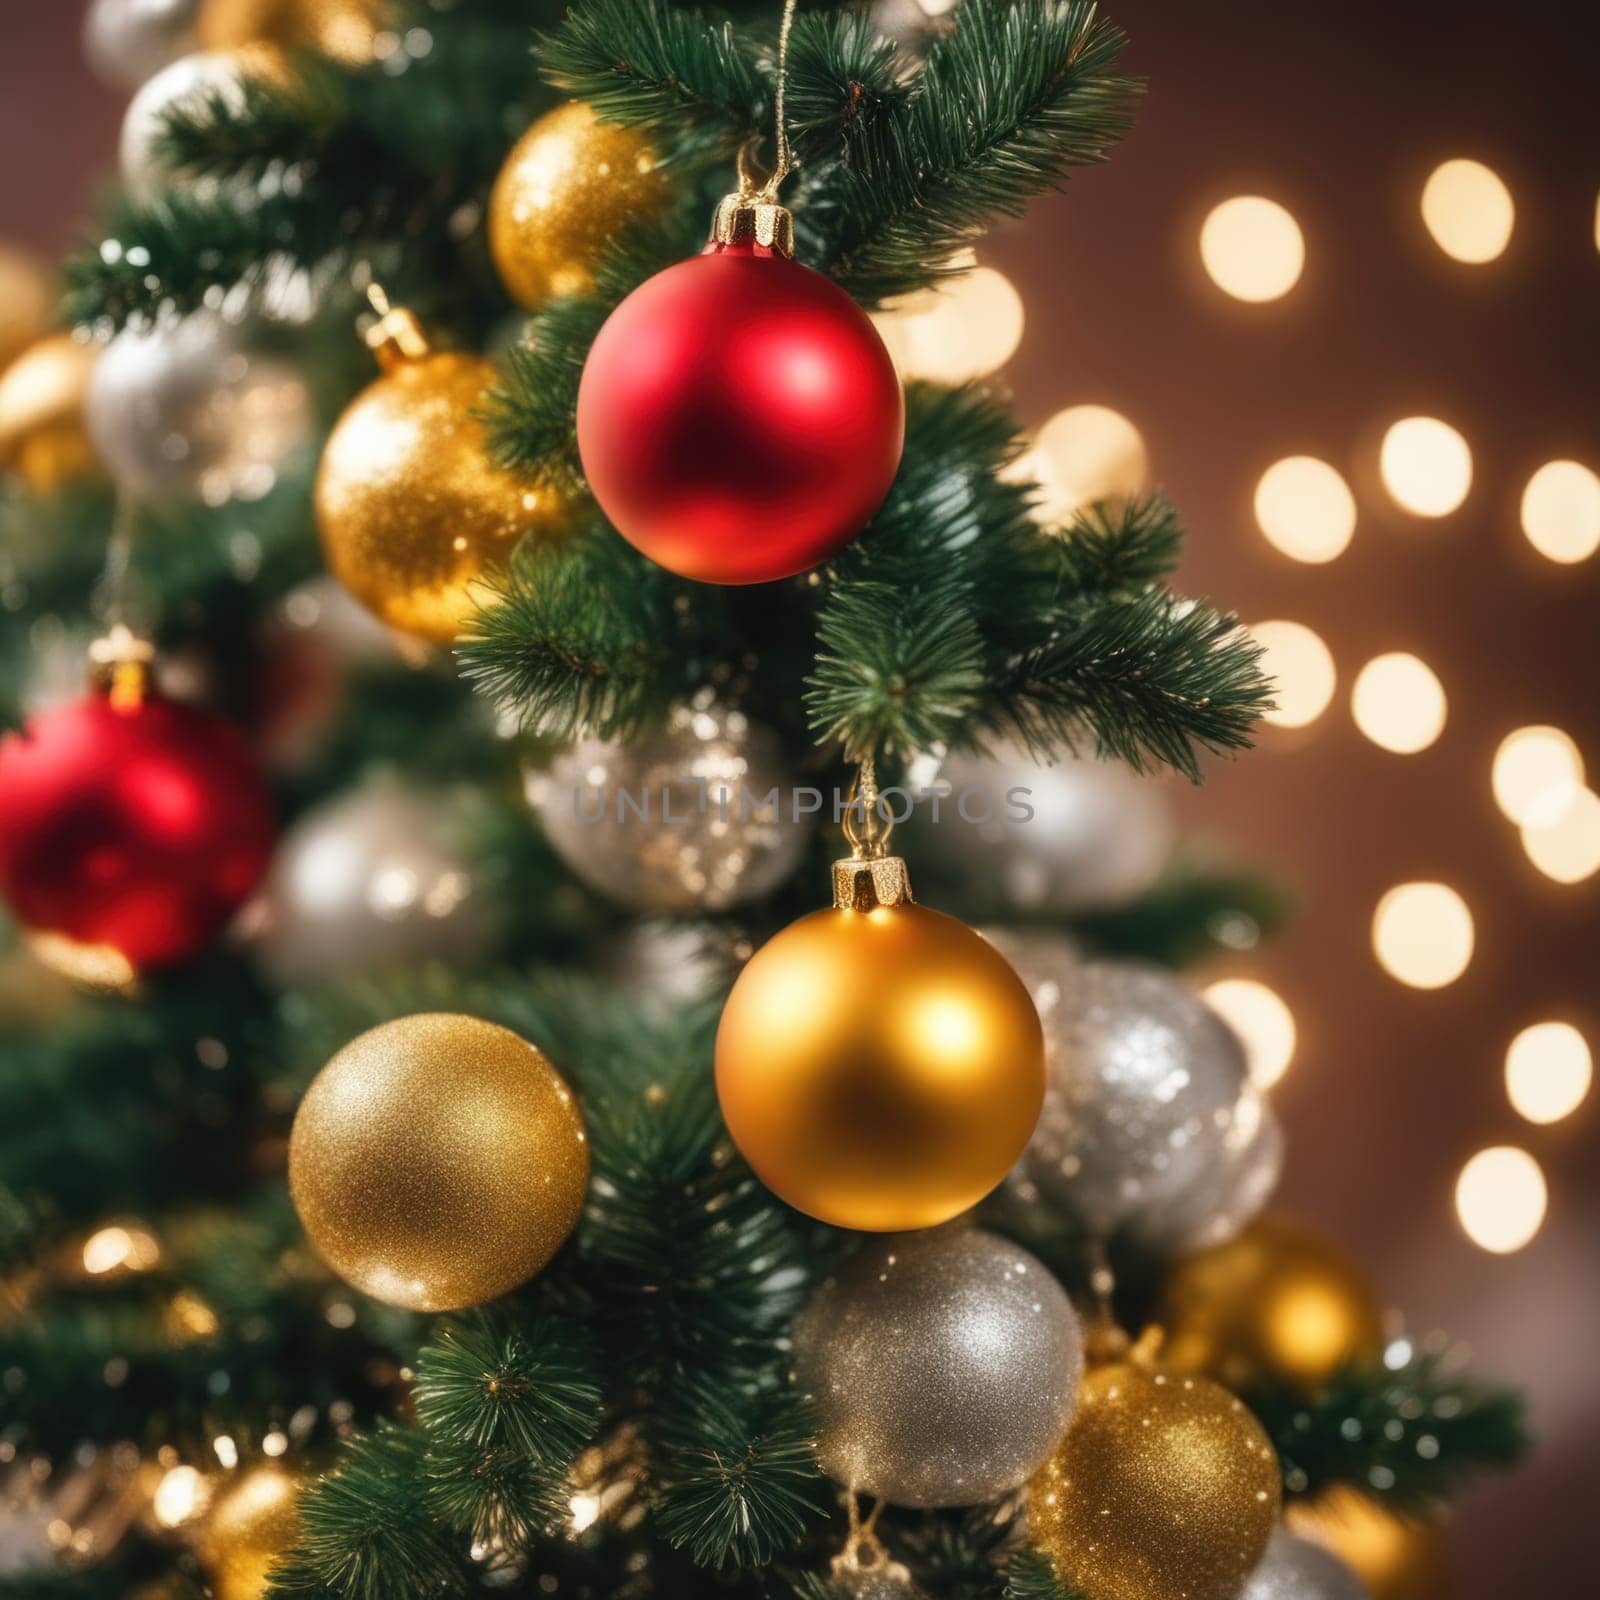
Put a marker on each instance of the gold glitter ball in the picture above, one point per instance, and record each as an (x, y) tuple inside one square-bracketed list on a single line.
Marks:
[(438, 1161), (1277, 1304), (412, 509), (253, 1521), (343, 29), (1164, 1487), (566, 189), (43, 436)]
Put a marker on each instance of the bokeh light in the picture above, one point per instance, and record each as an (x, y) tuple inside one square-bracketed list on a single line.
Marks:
[(1264, 1024), (1561, 511), (1426, 466), (1252, 248), (1501, 1198), (1398, 703), (1305, 509), (1468, 210), (1301, 667), (1536, 773), (1422, 934), (1548, 1071), (1566, 845), (1084, 454), (964, 329), (180, 1495)]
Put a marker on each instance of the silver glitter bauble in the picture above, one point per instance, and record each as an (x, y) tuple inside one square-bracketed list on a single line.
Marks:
[(189, 82), (1099, 834), (177, 408), (1150, 1121), (943, 1365), (888, 1580), (1297, 1569), (127, 41), (373, 879), (698, 817)]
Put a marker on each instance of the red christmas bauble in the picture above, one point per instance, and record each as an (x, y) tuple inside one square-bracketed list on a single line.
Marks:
[(739, 418), (137, 827)]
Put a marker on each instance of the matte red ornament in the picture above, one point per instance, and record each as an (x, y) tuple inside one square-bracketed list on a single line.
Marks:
[(739, 418), (130, 824)]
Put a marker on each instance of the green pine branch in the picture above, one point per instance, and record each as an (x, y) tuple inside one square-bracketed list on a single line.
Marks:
[(1031, 1576), (1120, 546)]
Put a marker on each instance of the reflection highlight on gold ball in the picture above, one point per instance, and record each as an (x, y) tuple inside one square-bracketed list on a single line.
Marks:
[(253, 1520), (1468, 210), (1252, 248), (346, 30), (1279, 1304), (882, 1069)]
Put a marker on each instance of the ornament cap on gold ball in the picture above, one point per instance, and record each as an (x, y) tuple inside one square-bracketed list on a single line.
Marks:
[(396, 336), (869, 877)]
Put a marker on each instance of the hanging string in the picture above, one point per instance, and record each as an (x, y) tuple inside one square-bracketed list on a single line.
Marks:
[(113, 592), (780, 169), (865, 825)]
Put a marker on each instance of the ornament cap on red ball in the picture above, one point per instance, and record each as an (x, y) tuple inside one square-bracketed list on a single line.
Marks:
[(739, 418), (131, 827)]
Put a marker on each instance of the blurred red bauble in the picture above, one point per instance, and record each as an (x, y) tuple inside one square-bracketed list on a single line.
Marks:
[(131, 827), (739, 418)]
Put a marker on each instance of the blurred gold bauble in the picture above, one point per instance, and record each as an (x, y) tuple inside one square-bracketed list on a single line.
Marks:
[(411, 507), (880, 1069), (252, 1522), (1164, 1487), (1395, 1558), (42, 432), (438, 1161), (1276, 1305), (342, 29), (27, 302), (566, 189)]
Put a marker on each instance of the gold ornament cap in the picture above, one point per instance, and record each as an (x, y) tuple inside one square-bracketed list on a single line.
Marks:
[(121, 666), (751, 221), (867, 883), (396, 336)]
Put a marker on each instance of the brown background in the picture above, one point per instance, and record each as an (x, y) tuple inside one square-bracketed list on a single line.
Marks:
[(1339, 113)]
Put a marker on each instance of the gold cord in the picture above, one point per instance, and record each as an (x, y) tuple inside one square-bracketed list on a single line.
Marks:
[(780, 169)]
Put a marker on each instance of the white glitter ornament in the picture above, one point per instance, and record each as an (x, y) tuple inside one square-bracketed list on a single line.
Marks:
[(1150, 1121), (943, 1365), (373, 879), (1099, 835), (698, 817), (189, 82), (127, 41), (178, 407), (1297, 1569)]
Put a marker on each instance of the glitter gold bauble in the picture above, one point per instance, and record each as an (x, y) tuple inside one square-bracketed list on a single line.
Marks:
[(411, 508), (880, 1066), (27, 301), (1164, 1487), (1279, 1304), (566, 189), (43, 435), (438, 1161), (252, 1522), (343, 29), (1395, 1558)]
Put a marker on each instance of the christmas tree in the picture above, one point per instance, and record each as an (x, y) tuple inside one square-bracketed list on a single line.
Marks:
[(485, 1145)]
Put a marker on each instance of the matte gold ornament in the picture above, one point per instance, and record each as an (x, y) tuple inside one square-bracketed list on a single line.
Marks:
[(1164, 1487), (411, 508), (438, 1161), (43, 433), (252, 1522), (1278, 1304), (342, 29), (27, 302), (879, 1065), (567, 187)]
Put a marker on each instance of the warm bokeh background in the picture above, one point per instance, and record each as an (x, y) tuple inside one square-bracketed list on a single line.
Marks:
[(1339, 114)]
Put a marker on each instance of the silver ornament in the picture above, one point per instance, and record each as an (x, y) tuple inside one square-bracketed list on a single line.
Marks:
[(944, 1366), (178, 407), (665, 965), (1150, 1121), (372, 879), (127, 41), (1099, 834), (698, 817), (189, 82), (1299, 1569)]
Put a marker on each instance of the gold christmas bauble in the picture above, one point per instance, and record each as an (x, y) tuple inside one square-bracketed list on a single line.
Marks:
[(1164, 1487), (412, 509), (880, 1069), (438, 1161), (27, 300), (1395, 1558), (342, 29), (252, 1522), (566, 189), (1277, 1304), (43, 437)]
